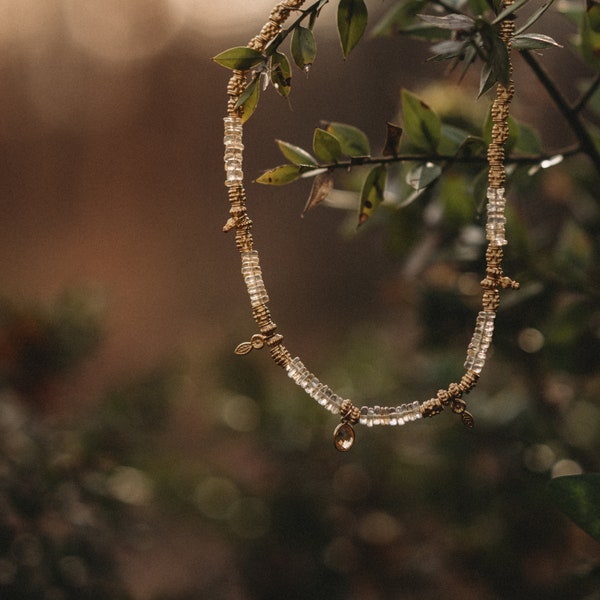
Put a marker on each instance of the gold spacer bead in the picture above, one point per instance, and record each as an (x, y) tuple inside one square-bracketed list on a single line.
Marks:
[(262, 315), (491, 299), (443, 396), (280, 354), (269, 330), (454, 391), (469, 381), (431, 407), (243, 240), (349, 412), (274, 339)]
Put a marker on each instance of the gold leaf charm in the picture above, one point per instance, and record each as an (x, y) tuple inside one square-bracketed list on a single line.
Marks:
[(256, 342), (343, 437), (243, 348), (467, 419)]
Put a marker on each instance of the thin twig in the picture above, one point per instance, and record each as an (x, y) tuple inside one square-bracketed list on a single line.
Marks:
[(529, 159), (571, 115), (279, 39), (585, 97)]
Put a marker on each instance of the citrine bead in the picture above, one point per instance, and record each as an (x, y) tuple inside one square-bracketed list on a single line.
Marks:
[(343, 437)]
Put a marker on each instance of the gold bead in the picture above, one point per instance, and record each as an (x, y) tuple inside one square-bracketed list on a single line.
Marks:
[(454, 391), (431, 407), (443, 396)]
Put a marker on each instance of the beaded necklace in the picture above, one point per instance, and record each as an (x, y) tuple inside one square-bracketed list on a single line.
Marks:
[(269, 337)]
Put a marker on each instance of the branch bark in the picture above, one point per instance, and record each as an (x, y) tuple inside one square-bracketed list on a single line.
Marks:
[(571, 114)]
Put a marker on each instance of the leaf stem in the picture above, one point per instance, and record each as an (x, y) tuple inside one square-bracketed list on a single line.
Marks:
[(570, 114)]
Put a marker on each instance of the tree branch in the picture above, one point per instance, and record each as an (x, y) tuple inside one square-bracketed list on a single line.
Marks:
[(581, 103), (571, 115), (279, 39), (529, 159)]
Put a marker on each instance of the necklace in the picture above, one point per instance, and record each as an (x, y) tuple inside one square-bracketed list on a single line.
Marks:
[(268, 337)]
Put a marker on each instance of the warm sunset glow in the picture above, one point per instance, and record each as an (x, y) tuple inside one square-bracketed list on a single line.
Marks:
[(227, 17), (114, 30)]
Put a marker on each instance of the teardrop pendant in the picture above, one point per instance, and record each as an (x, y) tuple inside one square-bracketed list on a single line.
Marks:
[(343, 437)]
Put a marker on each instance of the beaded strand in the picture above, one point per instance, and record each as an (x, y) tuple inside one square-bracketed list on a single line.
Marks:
[(370, 416)]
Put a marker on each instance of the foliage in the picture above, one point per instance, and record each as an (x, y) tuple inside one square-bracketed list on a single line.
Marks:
[(448, 508), (579, 497), (38, 344), (425, 512), (467, 34), (426, 191), (70, 489)]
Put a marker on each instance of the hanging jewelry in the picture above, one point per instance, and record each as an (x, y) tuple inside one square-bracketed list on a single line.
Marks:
[(451, 397)]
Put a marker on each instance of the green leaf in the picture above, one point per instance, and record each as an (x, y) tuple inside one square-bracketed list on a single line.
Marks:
[(529, 141), (426, 33), (468, 59), (240, 58), (281, 175), (371, 195), (423, 175), (303, 47), (353, 141), (296, 155), (326, 146), (593, 12), (534, 17), (472, 147), (453, 22), (316, 11), (478, 7), (486, 80), (399, 17), (281, 73), (478, 188), (448, 49), (578, 496), (457, 202), (421, 124), (452, 138), (509, 10), (589, 41), (249, 98), (497, 57), (352, 19), (496, 5), (533, 41)]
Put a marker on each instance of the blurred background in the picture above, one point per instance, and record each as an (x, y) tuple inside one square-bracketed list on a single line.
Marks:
[(141, 459)]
